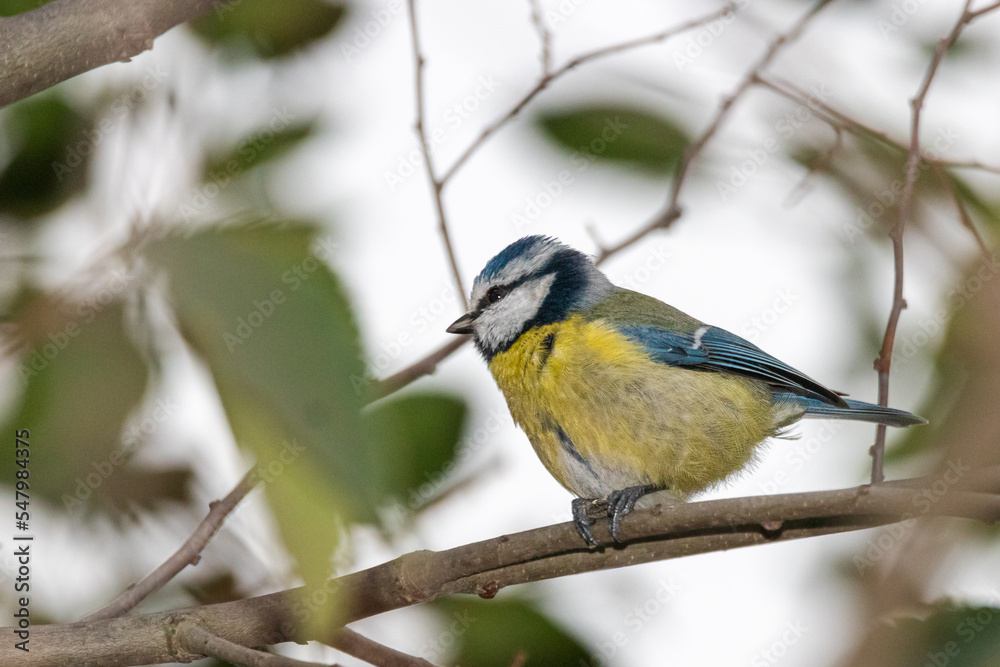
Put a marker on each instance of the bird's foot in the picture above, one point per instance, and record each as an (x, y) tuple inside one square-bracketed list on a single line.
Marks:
[(622, 501), (582, 520), (616, 505)]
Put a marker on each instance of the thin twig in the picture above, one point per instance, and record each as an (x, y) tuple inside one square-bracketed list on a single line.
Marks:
[(544, 81), (350, 642), (884, 361), (417, 370), (188, 554), (963, 214), (428, 364), (970, 164), (822, 163), (672, 210), (436, 184), (544, 36), (196, 639)]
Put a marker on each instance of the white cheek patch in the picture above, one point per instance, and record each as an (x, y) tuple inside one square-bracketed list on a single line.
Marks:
[(503, 321)]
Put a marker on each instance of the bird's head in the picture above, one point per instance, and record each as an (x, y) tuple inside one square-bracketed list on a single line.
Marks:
[(532, 282)]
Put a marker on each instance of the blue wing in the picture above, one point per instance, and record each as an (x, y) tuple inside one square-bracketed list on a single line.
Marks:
[(717, 350)]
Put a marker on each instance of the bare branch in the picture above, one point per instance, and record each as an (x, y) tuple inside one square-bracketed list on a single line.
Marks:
[(486, 567), (672, 209), (417, 370), (544, 36), (362, 648), (200, 641), (188, 554), (428, 364), (436, 183), (884, 361), (544, 81), (59, 40), (970, 164)]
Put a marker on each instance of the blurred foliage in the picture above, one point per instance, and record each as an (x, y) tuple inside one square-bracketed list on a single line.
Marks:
[(50, 156), (269, 30), (273, 325), (214, 590), (967, 369), (945, 634), (13, 7), (872, 175), (617, 135), (275, 329), (81, 376), (258, 148), (413, 439), (501, 633)]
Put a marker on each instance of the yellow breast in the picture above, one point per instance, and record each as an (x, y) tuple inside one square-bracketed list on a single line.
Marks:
[(602, 415)]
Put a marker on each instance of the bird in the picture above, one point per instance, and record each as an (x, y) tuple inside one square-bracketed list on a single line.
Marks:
[(622, 395)]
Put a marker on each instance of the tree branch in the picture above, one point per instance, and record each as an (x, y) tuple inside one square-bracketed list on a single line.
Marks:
[(57, 41), (188, 554), (196, 639), (544, 81), (485, 567), (437, 184), (350, 642), (672, 210), (884, 361)]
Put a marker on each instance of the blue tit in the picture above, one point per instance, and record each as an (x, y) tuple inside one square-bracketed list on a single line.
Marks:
[(622, 395)]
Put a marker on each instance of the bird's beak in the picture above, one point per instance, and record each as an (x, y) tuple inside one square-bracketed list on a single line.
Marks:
[(462, 325)]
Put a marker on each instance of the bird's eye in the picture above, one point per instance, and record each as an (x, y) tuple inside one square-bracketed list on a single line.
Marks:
[(496, 293)]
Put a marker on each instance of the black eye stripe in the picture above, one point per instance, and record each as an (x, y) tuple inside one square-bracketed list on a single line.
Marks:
[(485, 302)]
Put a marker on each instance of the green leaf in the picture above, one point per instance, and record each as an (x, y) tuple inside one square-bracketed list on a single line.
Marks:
[(50, 157), (270, 29), (617, 134), (14, 7), (495, 633), (956, 636), (82, 376), (415, 439), (274, 327), (259, 147)]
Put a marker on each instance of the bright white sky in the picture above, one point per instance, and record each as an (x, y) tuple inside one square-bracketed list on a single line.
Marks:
[(727, 262)]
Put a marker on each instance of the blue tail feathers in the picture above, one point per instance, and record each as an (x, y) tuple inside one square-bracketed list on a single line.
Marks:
[(855, 411)]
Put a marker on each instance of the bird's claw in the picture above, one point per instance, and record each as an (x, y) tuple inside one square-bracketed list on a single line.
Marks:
[(617, 504), (582, 521)]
